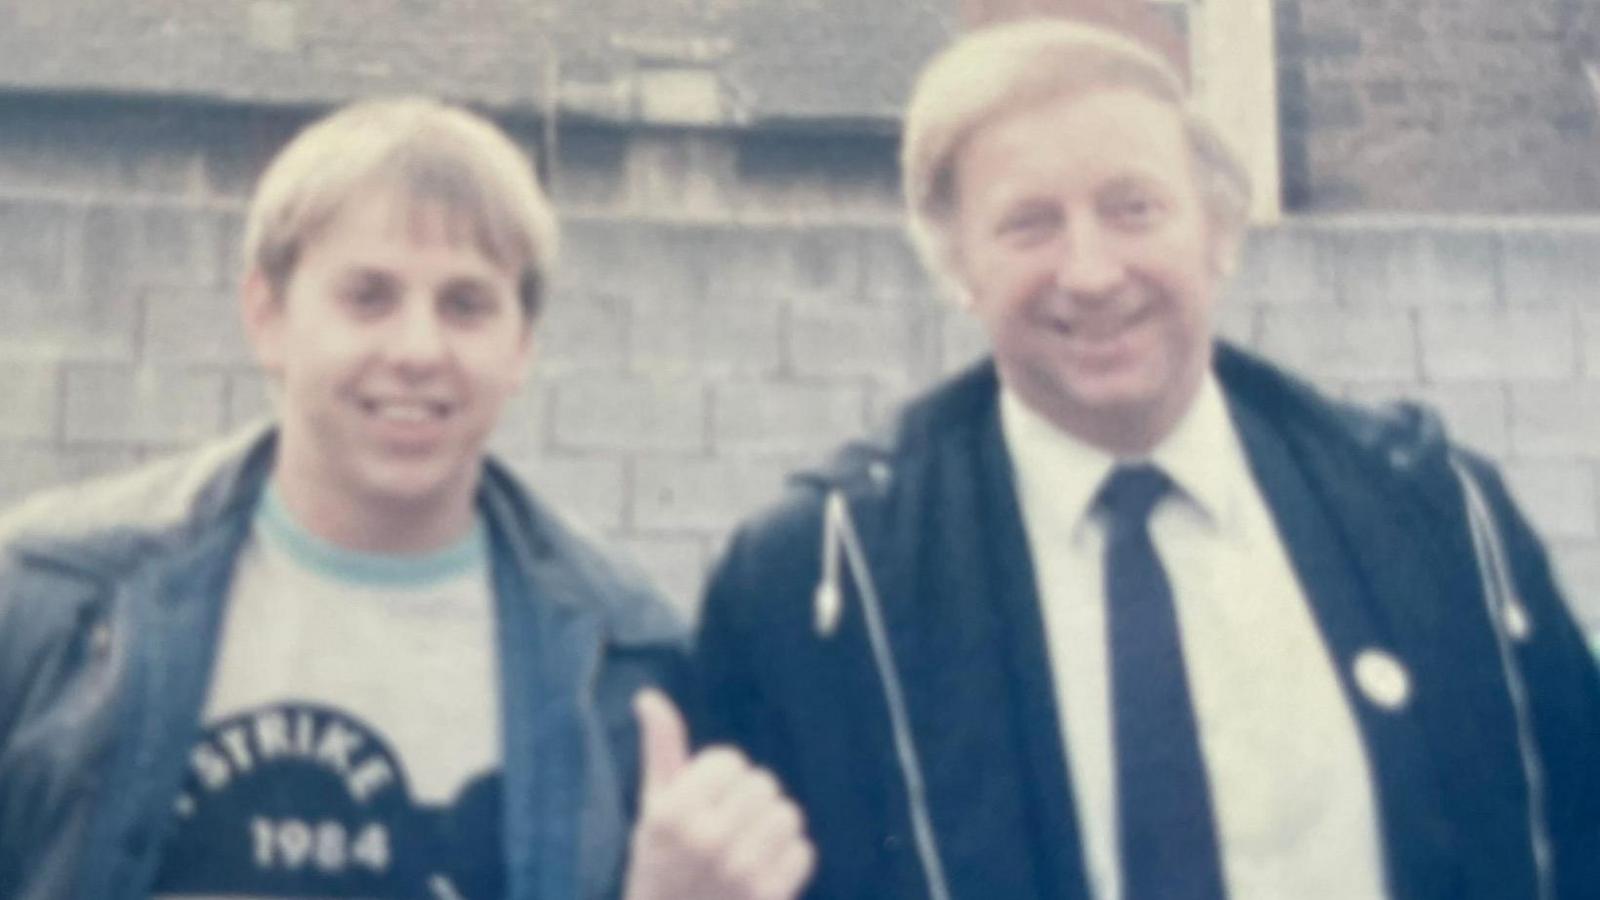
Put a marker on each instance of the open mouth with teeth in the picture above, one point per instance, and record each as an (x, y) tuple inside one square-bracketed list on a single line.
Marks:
[(1103, 328), (406, 411)]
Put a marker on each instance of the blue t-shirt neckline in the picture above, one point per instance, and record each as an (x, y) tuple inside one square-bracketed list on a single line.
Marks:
[(276, 523)]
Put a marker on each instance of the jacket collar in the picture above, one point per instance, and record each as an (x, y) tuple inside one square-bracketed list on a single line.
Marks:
[(1403, 437), (103, 529)]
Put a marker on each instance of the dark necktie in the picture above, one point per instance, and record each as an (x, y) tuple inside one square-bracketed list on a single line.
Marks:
[(1165, 827)]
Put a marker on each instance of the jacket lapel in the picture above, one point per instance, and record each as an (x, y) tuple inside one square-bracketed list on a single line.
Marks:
[(1361, 634), (549, 652), (960, 609)]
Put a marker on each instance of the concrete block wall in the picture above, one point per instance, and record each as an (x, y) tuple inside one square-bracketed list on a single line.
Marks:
[(692, 356)]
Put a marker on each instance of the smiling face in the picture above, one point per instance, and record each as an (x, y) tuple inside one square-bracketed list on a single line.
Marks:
[(395, 342), (1084, 248)]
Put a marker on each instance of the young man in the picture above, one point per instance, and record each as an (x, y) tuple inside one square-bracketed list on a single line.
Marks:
[(346, 656), (1126, 613)]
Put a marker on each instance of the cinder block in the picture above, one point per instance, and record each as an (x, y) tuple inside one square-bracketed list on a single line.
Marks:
[(1557, 420), (524, 425), (1343, 344), (1479, 345), (29, 393), (589, 490), (1589, 336), (962, 340), (1559, 498), (35, 236), (630, 414), (1475, 415), (142, 405), (1551, 267), (127, 247), (1286, 265), (250, 397), (675, 565), (886, 343), (891, 269), (1577, 570), (696, 494), (67, 328), (715, 338), (28, 467), (193, 326), (25, 469), (583, 332), (633, 259), (818, 263), (778, 419), (82, 462), (1405, 267), (1239, 323)]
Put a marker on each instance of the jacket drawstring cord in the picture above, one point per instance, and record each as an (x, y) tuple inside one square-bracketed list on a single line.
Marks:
[(1499, 595), (838, 530)]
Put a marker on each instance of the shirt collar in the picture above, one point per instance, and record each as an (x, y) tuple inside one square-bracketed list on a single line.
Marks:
[(1199, 455)]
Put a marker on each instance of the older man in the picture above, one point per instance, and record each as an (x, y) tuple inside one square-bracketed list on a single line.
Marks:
[(1125, 612)]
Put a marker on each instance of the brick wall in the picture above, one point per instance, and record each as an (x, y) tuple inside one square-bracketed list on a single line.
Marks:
[(1417, 105), (1439, 105), (729, 307)]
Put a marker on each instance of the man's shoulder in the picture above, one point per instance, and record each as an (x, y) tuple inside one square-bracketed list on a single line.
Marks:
[(865, 471), (1404, 437), (107, 521)]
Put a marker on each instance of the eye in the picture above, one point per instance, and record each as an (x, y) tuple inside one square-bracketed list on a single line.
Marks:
[(468, 302), (1133, 209), (367, 295), (1028, 224)]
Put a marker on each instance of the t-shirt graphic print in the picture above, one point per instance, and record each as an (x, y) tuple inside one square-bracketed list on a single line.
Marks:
[(300, 800), (350, 741)]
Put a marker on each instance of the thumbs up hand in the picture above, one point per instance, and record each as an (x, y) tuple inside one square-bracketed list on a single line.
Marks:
[(712, 826)]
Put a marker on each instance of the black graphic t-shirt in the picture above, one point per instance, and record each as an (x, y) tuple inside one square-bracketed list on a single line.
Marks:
[(350, 745)]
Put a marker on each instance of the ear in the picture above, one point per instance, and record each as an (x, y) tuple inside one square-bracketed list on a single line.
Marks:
[(263, 314), (1226, 243), (527, 351), (953, 271)]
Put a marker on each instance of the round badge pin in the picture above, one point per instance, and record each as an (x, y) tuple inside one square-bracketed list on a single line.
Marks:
[(1382, 679)]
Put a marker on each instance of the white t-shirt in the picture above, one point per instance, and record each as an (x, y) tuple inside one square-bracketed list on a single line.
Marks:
[(350, 741)]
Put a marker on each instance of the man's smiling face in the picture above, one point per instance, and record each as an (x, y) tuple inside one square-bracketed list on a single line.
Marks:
[(396, 342), (1086, 251)]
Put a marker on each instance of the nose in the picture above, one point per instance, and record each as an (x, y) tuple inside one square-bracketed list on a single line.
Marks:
[(417, 341), (1089, 263)]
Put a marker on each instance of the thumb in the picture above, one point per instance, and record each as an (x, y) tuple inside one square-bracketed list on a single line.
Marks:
[(663, 739)]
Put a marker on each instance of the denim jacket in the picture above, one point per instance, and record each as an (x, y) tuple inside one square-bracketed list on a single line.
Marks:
[(111, 597)]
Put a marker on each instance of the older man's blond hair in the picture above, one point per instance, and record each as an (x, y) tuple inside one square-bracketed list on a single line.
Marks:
[(1004, 68), (431, 155)]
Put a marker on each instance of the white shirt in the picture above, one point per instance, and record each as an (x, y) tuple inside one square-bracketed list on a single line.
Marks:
[(1290, 781)]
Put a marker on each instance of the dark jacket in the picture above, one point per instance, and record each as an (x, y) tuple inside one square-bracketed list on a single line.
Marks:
[(1372, 516), (110, 600)]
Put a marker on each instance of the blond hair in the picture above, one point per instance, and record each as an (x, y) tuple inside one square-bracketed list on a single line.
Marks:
[(431, 152), (1002, 68)]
